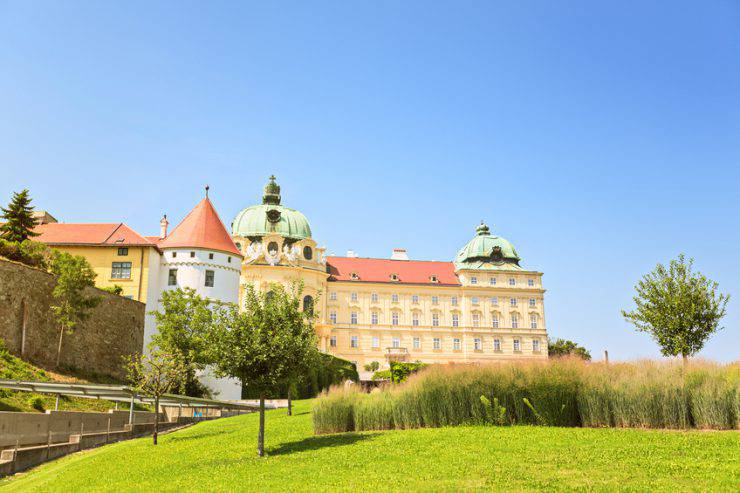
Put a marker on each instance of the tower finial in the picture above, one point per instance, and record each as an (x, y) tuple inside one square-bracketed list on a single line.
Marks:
[(272, 192), (207, 188), (482, 229)]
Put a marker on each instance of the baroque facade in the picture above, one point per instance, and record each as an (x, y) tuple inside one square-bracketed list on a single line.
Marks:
[(481, 307)]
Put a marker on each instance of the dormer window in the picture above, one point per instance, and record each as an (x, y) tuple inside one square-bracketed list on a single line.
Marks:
[(394, 277), (433, 278), (473, 280), (354, 276)]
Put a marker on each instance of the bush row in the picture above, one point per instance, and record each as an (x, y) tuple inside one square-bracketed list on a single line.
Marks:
[(564, 392)]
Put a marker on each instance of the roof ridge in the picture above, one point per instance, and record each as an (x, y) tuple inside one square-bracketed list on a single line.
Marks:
[(112, 233)]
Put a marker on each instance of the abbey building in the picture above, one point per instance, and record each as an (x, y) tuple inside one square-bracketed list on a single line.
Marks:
[(482, 306)]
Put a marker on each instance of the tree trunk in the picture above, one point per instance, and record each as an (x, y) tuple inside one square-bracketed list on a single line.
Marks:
[(59, 348), (290, 403), (156, 419), (685, 359), (261, 436)]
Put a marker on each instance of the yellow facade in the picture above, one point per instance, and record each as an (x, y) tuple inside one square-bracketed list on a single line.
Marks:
[(102, 259)]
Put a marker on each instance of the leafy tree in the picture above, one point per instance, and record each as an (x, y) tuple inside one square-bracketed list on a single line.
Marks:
[(115, 289), (19, 220), (679, 308), (29, 252), (71, 305), (373, 366), (564, 347), (266, 344), (154, 375), (182, 327)]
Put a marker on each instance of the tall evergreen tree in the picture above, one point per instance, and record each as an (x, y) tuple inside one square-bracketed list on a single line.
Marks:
[(19, 221)]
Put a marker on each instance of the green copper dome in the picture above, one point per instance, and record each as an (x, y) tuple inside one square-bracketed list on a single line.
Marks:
[(487, 251), (271, 218)]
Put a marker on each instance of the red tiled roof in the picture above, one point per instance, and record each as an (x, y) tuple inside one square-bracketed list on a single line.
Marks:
[(90, 234), (380, 270), (201, 228)]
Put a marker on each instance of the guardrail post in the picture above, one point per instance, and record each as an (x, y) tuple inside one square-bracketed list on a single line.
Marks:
[(56, 403), (131, 411), (107, 435)]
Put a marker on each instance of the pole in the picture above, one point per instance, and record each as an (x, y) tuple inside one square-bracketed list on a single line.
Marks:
[(131, 410), (56, 403), (606, 356), (107, 435)]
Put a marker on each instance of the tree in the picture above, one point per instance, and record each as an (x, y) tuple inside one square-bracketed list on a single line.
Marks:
[(265, 345), (182, 326), (372, 366), (19, 220), (71, 305), (679, 308), (564, 347), (154, 375), (115, 289)]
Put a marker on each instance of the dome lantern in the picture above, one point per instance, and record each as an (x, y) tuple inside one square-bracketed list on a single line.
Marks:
[(272, 192), (487, 252)]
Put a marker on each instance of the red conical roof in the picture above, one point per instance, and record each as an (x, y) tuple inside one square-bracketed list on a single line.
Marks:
[(201, 228)]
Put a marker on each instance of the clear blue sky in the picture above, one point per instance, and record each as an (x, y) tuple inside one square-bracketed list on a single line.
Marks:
[(599, 139)]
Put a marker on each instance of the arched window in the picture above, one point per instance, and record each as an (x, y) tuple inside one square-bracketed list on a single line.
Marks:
[(307, 252), (272, 248), (308, 304)]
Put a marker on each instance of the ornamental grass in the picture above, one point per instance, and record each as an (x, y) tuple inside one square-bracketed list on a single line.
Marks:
[(560, 392)]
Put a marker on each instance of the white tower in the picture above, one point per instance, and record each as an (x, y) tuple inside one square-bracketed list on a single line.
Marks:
[(199, 254)]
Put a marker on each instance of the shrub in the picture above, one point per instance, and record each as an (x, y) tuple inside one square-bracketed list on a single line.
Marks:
[(36, 402)]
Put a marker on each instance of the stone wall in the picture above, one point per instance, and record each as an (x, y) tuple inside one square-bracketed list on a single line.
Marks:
[(114, 330)]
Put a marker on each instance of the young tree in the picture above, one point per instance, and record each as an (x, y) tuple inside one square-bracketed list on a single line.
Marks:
[(679, 308), (563, 347), (372, 366), (19, 221), (182, 326), (155, 375), (71, 305), (266, 344)]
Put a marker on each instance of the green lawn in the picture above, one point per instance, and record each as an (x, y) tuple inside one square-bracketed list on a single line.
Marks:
[(220, 456)]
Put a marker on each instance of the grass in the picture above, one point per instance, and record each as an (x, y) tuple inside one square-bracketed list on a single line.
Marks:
[(644, 394), (14, 368), (220, 456)]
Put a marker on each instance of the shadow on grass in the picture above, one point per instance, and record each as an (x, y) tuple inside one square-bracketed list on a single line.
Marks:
[(196, 436), (318, 442)]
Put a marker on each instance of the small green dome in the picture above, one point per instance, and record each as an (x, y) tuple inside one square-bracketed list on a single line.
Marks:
[(271, 218), (487, 251)]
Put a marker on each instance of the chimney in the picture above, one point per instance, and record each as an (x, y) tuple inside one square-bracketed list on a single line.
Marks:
[(163, 227), (351, 254), (399, 254)]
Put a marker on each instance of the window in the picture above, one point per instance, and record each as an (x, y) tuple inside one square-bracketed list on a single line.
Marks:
[(394, 298), (353, 342), (374, 318), (517, 345), (476, 320), (497, 344), (494, 320), (353, 296), (238, 246), (455, 320), (415, 319), (415, 299), (494, 301), (435, 300), (353, 318), (122, 252), (354, 276), (493, 281), (394, 318), (210, 275), (272, 248), (453, 301), (473, 280), (535, 345), (228, 259), (394, 277), (512, 281), (333, 296), (307, 253), (308, 304), (396, 342), (475, 300), (210, 256), (533, 321), (172, 278), (333, 317), (530, 282), (192, 254), (376, 342), (129, 297), (435, 319), (476, 344), (433, 279), (456, 344), (512, 302), (417, 343), (174, 254), (437, 343), (532, 302), (514, 321), (374, 297), (121, 270), (333, 341)]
